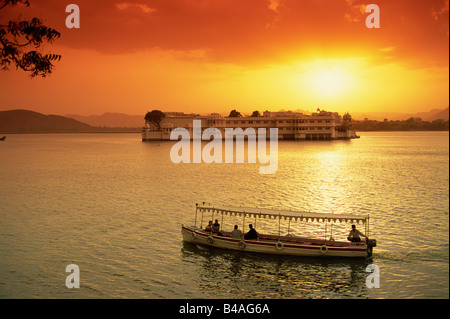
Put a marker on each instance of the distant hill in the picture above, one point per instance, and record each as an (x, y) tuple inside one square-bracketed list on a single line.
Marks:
[(24, 121), (111, 120), (439, 114), (380, 116)]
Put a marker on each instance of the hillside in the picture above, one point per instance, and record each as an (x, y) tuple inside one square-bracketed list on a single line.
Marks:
[(111, 120), (440, 114), (24, 121), (380, 116)]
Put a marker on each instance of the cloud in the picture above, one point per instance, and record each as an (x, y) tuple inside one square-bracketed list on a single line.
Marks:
[(274, 4), (143, 7), (389, 49), (256, 32)]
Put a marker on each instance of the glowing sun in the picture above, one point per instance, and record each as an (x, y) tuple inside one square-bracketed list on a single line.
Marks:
[(329, 82)]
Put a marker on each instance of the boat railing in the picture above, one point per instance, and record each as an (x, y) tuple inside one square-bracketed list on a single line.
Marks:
[(250, 213), (285, 239)]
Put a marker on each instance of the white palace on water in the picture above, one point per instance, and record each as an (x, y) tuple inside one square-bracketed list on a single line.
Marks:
[(321, 125)]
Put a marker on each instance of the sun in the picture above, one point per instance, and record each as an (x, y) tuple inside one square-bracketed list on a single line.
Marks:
[(329, 82)]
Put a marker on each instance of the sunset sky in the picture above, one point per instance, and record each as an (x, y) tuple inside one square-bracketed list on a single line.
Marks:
[(208, 56)]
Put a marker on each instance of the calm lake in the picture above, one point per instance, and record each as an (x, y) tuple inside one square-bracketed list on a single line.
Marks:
[(114, 205)]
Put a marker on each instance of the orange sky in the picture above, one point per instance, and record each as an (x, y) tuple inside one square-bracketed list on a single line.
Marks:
[(216, 55)]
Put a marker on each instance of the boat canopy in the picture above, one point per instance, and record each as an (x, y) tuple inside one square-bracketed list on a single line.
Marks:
[(283, 214)]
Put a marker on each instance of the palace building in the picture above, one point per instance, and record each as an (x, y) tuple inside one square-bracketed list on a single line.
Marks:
[(320, 125)]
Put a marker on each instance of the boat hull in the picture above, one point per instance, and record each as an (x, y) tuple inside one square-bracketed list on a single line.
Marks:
[(277, 245)]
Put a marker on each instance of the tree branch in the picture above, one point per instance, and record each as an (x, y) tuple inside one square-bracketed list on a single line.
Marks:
[(33, 33)]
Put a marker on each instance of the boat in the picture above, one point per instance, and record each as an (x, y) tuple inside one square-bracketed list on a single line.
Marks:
[(274, 244)]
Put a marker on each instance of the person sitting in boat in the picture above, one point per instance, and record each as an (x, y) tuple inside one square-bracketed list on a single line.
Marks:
[(209, 227), (252, 234), (236, 233), (354, 235), (216, 228)]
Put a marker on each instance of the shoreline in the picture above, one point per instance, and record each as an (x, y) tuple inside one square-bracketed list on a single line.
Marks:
[(139, 131), (71, 132)]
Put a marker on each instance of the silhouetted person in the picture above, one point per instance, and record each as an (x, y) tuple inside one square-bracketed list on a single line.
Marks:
[(354, 235), (209, 227), (216, 228), (252, 234), (236, 233)]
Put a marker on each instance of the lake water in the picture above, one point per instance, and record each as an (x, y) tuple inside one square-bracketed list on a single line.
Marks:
[(114, 206)]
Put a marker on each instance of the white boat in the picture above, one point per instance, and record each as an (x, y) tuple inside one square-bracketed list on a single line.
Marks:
[(279, 244)]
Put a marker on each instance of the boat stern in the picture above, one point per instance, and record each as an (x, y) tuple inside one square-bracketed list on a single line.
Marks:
[(371, 243)]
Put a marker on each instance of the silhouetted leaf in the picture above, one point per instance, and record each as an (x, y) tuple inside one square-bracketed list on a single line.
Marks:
[(19, 34)]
